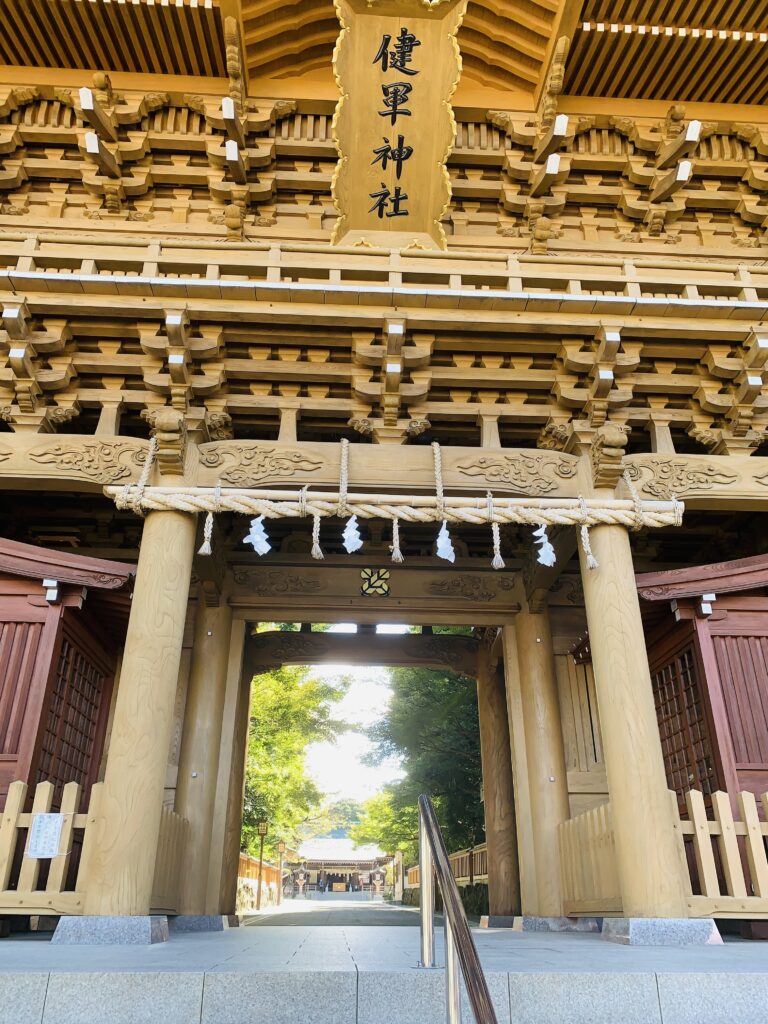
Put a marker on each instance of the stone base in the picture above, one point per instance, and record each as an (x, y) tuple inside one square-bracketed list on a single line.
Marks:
[(661, 931), (527, 923), (111, 931), (203, 922), (497, 921)]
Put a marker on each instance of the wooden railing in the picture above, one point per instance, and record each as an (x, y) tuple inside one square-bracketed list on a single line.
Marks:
[(464, 870), (190, 268), (725, 862), (590, 883), (20, 875), (57, 884), (174, 831)]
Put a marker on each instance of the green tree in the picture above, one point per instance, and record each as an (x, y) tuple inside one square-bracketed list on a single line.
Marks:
[(289, 709), (431, 724), (388, 825), (344, 815)]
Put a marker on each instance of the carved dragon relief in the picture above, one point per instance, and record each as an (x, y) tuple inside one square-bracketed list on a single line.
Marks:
[(526, 474), (105, 462), (664, 478), (247, 464)]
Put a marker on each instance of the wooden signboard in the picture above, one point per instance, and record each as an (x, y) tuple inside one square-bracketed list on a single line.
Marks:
[(397, 64)]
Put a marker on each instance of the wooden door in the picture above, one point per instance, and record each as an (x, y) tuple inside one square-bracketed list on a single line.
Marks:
[(28, 636), (740, 643)]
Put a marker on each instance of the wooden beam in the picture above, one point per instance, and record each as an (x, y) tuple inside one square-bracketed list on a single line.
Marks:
[(271, 649)]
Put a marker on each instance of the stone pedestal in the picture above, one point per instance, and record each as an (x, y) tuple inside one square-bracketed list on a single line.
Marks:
[(661, 931), (142, 930)]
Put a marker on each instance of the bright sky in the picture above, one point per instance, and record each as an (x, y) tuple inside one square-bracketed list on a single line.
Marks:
[(337, 768)]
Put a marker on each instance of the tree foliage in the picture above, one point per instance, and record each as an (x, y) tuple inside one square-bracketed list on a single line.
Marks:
[(344, 814), (388, 825), (289, 709), (431, 724)]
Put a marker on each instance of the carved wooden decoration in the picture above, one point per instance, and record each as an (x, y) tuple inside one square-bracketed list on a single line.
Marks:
[(397, 64)]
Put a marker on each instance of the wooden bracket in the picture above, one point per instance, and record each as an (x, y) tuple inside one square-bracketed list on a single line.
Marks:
[(556, 137), (232, 122), (666, 186), (683, 145), (236, 161), (104, 159), (96, 116)]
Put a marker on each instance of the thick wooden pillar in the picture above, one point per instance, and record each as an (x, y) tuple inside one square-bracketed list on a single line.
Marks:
[(523, 817), (547, 780), (122, 869), (645, 845), (228, 808), (498, 793), (200, 745)]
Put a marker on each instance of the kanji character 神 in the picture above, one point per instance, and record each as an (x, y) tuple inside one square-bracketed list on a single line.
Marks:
[(397, 154)]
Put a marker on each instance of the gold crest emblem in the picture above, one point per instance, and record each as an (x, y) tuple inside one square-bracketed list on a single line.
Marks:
[(374, 582)]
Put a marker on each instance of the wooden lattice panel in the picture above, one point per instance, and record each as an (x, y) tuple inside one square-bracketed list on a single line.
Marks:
[(69, 743), (685, 739)]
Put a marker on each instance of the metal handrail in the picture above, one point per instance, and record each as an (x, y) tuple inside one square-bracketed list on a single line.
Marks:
[(460, 950)]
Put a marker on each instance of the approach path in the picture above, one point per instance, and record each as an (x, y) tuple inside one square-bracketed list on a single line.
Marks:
[(335, 911)]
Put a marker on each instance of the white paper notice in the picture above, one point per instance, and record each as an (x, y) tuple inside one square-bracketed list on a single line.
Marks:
[(45, 836)]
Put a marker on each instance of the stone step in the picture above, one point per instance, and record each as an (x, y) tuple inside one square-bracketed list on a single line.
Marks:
[(377, 997)]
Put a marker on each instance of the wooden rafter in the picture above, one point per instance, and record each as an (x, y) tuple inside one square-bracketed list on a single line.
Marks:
[(143, 37), (710, 51)]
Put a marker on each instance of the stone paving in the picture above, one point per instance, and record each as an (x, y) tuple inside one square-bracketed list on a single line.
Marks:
[(359, 973)]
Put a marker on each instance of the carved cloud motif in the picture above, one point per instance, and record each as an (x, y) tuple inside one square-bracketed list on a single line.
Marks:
[(105, 462), (249, 464), (665, 478), (526, 474)]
